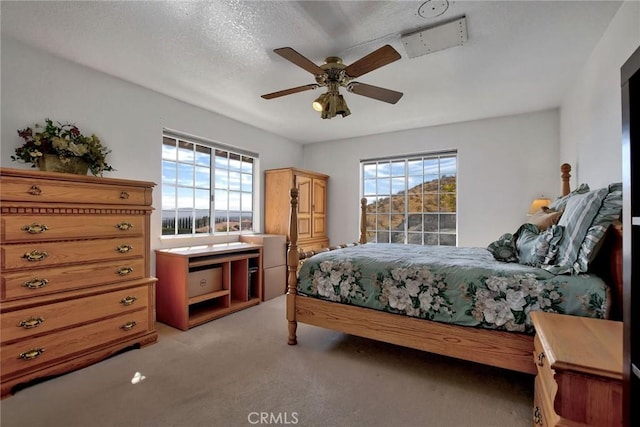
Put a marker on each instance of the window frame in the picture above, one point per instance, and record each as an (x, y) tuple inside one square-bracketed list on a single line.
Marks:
[(201, 161), (395, 174)]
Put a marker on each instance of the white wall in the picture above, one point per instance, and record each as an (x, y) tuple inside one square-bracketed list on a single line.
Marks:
[(127, 118), (591, 115), (503, 164)]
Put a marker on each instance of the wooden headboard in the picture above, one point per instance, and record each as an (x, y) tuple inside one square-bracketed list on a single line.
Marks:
[(608, 262), (608, 265), (565, 175)]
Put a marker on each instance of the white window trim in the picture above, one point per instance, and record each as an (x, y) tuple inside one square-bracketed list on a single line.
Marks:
[(406, 158), (226, 236)]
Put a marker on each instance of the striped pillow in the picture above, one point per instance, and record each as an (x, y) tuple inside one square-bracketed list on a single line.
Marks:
[(609, 212), (578, 215), (616, 186), (561, 202)]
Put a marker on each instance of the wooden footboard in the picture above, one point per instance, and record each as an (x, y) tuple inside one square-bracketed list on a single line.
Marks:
[(508, 350), (496, 348)]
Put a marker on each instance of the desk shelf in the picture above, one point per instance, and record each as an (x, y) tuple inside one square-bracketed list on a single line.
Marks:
[(236, 287)]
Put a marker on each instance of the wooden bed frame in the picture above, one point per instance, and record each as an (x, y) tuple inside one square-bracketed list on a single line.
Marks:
[(507, 350)]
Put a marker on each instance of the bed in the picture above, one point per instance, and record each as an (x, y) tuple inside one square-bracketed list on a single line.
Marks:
[(467, 303)]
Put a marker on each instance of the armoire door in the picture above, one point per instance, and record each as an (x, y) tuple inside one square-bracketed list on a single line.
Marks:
[(318, 209), (305, 206)]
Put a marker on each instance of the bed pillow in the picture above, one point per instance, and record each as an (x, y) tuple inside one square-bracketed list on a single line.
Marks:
[(537, 247), (545, 218), (504, 249), (578, 215), (609, 212), (616, 186), (561, 202)]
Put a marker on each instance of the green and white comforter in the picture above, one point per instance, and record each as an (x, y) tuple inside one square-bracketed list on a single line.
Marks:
[(457, 285)]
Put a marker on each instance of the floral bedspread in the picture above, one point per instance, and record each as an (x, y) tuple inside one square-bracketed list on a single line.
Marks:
[(464, 286)]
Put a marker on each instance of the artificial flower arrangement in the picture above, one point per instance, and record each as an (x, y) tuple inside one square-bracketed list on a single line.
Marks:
[(64, 141)]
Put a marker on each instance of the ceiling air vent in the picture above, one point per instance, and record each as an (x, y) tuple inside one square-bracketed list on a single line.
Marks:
[(435, 38)]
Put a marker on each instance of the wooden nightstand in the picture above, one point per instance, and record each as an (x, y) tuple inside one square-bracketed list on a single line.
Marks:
[(579, 362)]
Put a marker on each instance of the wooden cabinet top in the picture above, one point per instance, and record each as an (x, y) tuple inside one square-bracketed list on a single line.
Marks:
[(35, 173), (581, 344), (297, 172), (203, 250)]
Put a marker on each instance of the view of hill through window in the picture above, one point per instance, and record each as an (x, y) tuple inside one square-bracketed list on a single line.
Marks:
[(411, 200)]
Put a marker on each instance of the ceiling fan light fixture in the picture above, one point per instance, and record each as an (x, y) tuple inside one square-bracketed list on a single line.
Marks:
[(341, 106), (334, 105), (320, 102)]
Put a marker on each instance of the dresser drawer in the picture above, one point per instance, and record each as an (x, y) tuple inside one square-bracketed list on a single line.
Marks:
[(32, 228), (37, 282), (38, 352), (18, 189), (538, 408), (545, 373), (45, 254), (21, 324), (543, 413)]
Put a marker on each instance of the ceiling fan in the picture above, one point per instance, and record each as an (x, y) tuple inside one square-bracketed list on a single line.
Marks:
[(333, 74)]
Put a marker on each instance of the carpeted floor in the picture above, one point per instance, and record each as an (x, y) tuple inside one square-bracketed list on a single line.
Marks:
[(239, 371)]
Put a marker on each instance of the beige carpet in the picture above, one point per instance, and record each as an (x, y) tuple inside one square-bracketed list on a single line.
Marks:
[(239, 371)]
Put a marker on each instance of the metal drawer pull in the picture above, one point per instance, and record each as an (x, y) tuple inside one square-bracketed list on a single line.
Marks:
[(35, 255), (128, 326), (36, 283), (35, 190), (124, 226), (128, 300), (537, 415), (31, 354), (124, 195), (31, 322), (34, 228), (541, 359), (123, 249), (124, 271)]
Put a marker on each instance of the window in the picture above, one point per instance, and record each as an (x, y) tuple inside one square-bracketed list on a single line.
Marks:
[(206, 187), (411, 199)]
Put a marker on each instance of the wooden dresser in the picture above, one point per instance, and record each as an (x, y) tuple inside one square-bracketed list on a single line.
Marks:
[(579, 362), (76, 285)]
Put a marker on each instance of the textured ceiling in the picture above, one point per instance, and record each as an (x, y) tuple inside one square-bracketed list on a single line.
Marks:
[(520, 56)]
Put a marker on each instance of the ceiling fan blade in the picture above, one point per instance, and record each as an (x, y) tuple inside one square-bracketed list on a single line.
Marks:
[(291, 55), (375, 92), (376, 59), (289, 91)]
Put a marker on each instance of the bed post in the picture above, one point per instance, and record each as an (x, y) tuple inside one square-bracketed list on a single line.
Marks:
[(293, 259), (363, 221), (565, 168)]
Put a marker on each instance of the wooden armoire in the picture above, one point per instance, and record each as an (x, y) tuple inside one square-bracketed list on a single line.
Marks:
[(312, 205)]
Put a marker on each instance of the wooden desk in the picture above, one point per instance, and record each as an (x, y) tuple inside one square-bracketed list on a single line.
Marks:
[(228, 263)]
